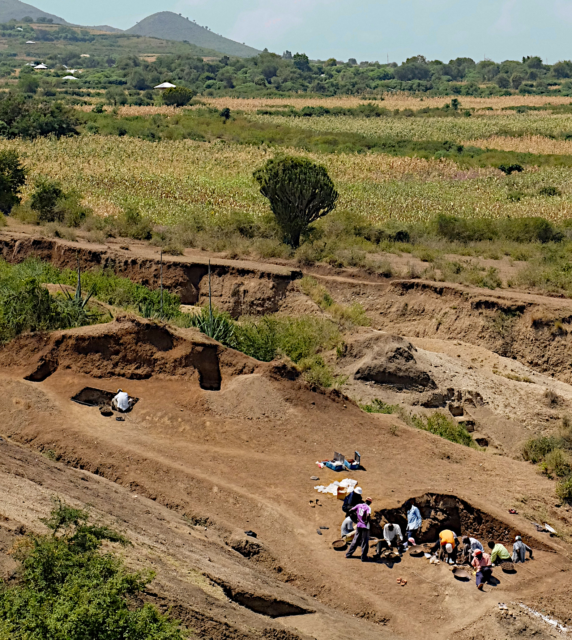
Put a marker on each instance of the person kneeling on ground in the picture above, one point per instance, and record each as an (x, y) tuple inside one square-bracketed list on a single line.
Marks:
[(392, 537), (414, 523), (519, 550), (482, 564), (469, 548), (362, 534), (352, 500), (499, 553), (348, 528), (121, 402), (446, 547)]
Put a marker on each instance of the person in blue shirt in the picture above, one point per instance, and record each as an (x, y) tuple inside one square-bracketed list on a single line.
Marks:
[(414, 522)]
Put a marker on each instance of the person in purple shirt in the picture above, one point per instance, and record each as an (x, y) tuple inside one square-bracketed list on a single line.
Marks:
[(363, 512)]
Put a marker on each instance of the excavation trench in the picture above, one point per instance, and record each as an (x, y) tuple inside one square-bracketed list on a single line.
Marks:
[(441, 511), (263, 604)]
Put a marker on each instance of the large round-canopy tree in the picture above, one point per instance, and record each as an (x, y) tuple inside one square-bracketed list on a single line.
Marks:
[(300, 192)]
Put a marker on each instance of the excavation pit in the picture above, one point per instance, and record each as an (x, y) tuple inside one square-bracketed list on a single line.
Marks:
[(91, 397), (441, 511)]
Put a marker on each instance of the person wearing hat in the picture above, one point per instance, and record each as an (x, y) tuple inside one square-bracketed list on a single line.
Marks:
[(352, 500), (482, 564), (447, 545), (519, 550), (363, 512)]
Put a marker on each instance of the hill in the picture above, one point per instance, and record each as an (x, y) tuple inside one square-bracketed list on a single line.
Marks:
[(16, 10), (170, 26)]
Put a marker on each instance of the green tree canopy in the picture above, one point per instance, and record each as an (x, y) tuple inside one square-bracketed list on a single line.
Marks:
[(12, 179), (300, 192), (178, 96)]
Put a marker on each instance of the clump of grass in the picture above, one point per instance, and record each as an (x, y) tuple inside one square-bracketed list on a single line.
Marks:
[(441, 425), (378, 406), (347, 315)]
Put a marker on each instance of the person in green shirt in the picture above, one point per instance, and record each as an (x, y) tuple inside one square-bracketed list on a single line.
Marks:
[(499, 553)]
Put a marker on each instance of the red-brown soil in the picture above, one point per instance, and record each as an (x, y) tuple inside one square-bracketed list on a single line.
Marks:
[(241, 459)]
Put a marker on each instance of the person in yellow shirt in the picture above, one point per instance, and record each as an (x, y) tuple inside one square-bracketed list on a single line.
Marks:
[(447, 546)]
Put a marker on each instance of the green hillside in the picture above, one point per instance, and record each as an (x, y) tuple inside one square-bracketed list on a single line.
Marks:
[(16, 10), (170, 26)]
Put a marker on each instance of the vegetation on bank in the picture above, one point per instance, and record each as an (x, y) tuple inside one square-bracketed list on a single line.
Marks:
[(26, 305), (68, 588), (437, 423), (553, 454)]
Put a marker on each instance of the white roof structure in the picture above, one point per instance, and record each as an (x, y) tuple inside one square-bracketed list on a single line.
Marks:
[(84, 55), (19, 29), (70, 78), (30, 42), (40, 66), (166, 85)]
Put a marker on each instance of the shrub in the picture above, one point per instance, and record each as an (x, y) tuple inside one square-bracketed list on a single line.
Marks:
[(44, 199), (441, 425), (535, 450), (511, 168), (131, 224), (178, 96), (564, 489), (557, 464), (68, 588), (300, 192), (12, 179), (549, 191), (378, 406)]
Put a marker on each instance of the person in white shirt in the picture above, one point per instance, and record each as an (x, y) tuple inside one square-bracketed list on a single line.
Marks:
[(392, 537), (347, 527), (121, 401)]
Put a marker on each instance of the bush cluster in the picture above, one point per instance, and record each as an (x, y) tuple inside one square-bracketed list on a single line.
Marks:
[(68, 588), (554, 456)]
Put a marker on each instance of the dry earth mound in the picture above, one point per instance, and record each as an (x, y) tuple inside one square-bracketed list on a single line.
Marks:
[(130, 348)]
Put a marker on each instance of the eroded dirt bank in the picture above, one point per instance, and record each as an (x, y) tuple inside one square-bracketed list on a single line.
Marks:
[(534, 329), (239, 287)]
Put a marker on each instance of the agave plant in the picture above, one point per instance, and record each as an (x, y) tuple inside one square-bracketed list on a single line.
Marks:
[(74, 309)]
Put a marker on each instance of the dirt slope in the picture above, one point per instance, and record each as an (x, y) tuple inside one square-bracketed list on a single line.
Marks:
[(241, 458)]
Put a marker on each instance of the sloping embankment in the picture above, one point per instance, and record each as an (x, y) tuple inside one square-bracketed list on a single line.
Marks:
[(239, 287)]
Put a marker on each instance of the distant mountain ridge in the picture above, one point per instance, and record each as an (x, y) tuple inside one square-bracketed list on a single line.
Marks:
[(16, 10), (171, 26)]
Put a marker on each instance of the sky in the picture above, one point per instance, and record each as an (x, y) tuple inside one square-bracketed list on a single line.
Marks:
[(362, 29)]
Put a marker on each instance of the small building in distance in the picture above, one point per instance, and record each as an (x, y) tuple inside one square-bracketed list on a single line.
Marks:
[(166, 85), (30, 42), (40, 67), (70, 78)]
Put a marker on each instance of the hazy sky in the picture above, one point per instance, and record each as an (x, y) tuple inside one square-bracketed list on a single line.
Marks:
[(362, 29)]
